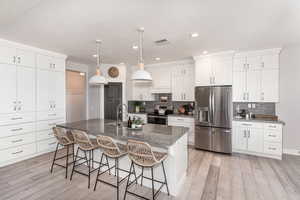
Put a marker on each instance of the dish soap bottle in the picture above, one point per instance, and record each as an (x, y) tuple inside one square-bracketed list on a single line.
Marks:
[(129, 123)]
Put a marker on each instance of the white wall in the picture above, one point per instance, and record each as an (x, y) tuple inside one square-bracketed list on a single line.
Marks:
[(94, 110), (289, 107)]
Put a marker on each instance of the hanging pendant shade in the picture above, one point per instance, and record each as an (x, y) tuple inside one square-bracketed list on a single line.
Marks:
[(141, 74), (98, 79)]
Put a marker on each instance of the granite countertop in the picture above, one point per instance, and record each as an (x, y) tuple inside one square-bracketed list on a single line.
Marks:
[(161, 136), (138, 113), (181, 115), (262, 120)]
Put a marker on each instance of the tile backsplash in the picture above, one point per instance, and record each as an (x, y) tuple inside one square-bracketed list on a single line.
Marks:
[(256, 108)]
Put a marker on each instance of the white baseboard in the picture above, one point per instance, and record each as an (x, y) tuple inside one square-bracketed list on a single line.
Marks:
[(295, 152)]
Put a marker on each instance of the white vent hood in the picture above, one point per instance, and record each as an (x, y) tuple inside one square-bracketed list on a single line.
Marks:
[(161, 90)]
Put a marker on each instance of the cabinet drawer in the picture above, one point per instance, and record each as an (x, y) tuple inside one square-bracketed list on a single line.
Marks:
[(11, 130), (17, 152), (272, 135), (50, 115), (17, 140), (42, 135), (48, 125), (10, 119), (174, 120), (269, 126), (250, 124), (273, 148), (46, 145)]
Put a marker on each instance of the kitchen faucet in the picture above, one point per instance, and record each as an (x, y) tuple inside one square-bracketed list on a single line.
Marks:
[(120, 112)]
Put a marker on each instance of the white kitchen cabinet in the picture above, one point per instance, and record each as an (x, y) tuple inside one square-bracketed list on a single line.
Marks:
[(257, 138), (16, 56), (183, 84), (253, 86), (256, 76), (161, 79), (215, 69), (50, 63), (18, 89), (7, 55), (270, 85)]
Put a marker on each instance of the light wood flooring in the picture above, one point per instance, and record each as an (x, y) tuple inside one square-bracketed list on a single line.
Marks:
[(210, 176)]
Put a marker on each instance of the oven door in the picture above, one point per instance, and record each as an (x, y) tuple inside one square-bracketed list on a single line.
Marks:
[(157, 119)]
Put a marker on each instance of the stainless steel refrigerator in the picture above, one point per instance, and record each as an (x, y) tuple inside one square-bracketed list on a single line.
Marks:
[(213, 118)]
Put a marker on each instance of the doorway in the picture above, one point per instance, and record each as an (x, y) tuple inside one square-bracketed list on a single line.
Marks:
[(75, 96), (112, 98)]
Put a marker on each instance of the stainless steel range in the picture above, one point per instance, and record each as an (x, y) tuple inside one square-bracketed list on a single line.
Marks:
[(213, 119), (155, 118)]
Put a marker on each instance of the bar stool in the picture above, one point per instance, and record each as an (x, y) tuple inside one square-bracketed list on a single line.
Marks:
[(65, 139), (141, 154), (113, 151), (86, 145)]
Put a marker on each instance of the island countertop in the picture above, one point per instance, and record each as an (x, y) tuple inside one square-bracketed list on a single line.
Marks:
[(161, 136)]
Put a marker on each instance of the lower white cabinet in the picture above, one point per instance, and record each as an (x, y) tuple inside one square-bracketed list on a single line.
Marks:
[(17, 153), (47, 145), (187, 122), (256, 138)]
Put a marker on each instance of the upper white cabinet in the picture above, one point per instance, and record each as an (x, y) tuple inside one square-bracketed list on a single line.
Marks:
[(183, 83), (16, 56), (214, 69), (256, 76), (50, 63)]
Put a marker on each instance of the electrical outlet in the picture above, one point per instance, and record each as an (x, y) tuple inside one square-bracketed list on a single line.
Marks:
[(249, 105), (253, 105)]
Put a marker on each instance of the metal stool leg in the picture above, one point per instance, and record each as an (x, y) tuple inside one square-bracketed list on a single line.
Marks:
[(107, 164), (134, 174), (128, 180), (67, 161), (152, 180), (142, 176), (51, 170), (99, 170), (166, 182), (74, 164), (118, 184), (89, 166)]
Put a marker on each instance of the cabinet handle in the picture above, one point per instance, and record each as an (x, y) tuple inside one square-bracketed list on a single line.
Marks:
[(51, 114), (272, 135), (214, 80), (14, 59), (272, 148), (16, 118), (272, 126), (19, 60), (247, 96), (50, 65), (245, 133), (248, 133), (15, 108), (54, 66), (19, 108), (262, 64), (53, 124), (248, 66), (247, 124), (262, 96), (17, 152), (17, 129), (15, 141)]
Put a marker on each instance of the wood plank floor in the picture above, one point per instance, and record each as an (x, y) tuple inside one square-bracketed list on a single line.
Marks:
[(210, 176)]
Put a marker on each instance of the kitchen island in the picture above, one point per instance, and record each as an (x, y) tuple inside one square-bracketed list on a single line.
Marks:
[(170, 139)]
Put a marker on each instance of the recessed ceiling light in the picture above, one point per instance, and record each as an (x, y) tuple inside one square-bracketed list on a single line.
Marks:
[(135, 47), (194, 35), (157, 58), (121, 63), (81, 73), (95, 56), (204, 52)]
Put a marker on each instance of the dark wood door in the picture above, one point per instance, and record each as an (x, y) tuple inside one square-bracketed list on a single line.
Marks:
[(112, 98)]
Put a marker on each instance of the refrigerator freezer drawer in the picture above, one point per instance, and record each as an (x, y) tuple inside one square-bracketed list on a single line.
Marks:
[(213, 139)]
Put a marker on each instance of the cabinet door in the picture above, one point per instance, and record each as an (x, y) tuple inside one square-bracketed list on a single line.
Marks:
[(43, 90), (239, 86), (7, 55), (189, 89), (255, 140), (8, 82), (254, 62), (43, 62), (161, 77), (58, 64), (241, 138), (270, 61), (26, 89), (25, 58), (177, 86), (270, 85), (222, 71), (58, 92), (203, 72), (239, 63), (253, 86)]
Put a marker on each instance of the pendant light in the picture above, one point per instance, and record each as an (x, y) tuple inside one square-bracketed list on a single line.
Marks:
[(141, 74), (98, 79)]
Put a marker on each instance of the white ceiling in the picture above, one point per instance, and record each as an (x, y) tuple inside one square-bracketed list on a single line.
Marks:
[(71, 26)]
